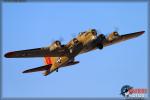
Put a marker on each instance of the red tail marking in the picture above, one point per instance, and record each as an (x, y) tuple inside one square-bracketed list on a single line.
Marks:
[(47, 60)]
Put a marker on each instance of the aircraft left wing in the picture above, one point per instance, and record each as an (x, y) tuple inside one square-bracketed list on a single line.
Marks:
[(37, 52), (123, 38)]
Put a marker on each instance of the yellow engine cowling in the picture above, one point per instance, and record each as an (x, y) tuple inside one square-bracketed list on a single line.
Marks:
[(112, 36), (55, 45)]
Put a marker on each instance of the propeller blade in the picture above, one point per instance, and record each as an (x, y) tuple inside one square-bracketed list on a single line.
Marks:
[(61, 39), (116, 29), (73, 35)]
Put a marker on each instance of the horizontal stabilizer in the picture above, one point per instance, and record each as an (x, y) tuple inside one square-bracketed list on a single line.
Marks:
[(42, 68), (71, 63)]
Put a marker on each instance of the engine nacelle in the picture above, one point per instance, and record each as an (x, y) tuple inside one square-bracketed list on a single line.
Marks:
[(112, 36), (100, 39), (75, 41), (55, 45)]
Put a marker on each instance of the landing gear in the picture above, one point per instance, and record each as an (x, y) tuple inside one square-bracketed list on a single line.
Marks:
[(100, 46), (100, 40), (57, 70)]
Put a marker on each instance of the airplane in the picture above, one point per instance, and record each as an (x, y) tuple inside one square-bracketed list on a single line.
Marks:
[(58, 55)]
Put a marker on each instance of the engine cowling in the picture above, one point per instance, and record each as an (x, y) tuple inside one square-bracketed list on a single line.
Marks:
[(112, 36), (55, 45), (100, 39), (75, 41), (100, 46)]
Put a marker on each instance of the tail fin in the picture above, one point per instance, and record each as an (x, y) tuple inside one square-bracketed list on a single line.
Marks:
[(42, 68)]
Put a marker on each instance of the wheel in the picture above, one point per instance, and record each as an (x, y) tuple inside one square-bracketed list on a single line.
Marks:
[(100, 46)]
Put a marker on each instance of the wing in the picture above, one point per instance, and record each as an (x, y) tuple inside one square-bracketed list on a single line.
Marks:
[(123, 38), (38, 52)]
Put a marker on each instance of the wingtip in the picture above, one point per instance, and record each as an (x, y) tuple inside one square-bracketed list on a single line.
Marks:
[(139, 33), (142, 32), (25, 71), (8, 55)]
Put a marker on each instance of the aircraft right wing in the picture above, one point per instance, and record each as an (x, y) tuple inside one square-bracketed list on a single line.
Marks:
[(37, 52)]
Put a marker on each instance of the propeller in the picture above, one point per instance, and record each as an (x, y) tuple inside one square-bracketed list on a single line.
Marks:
[(99, 31), (73, 35), (107, 34), (52, 40), (61, 39), (116, 29)]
